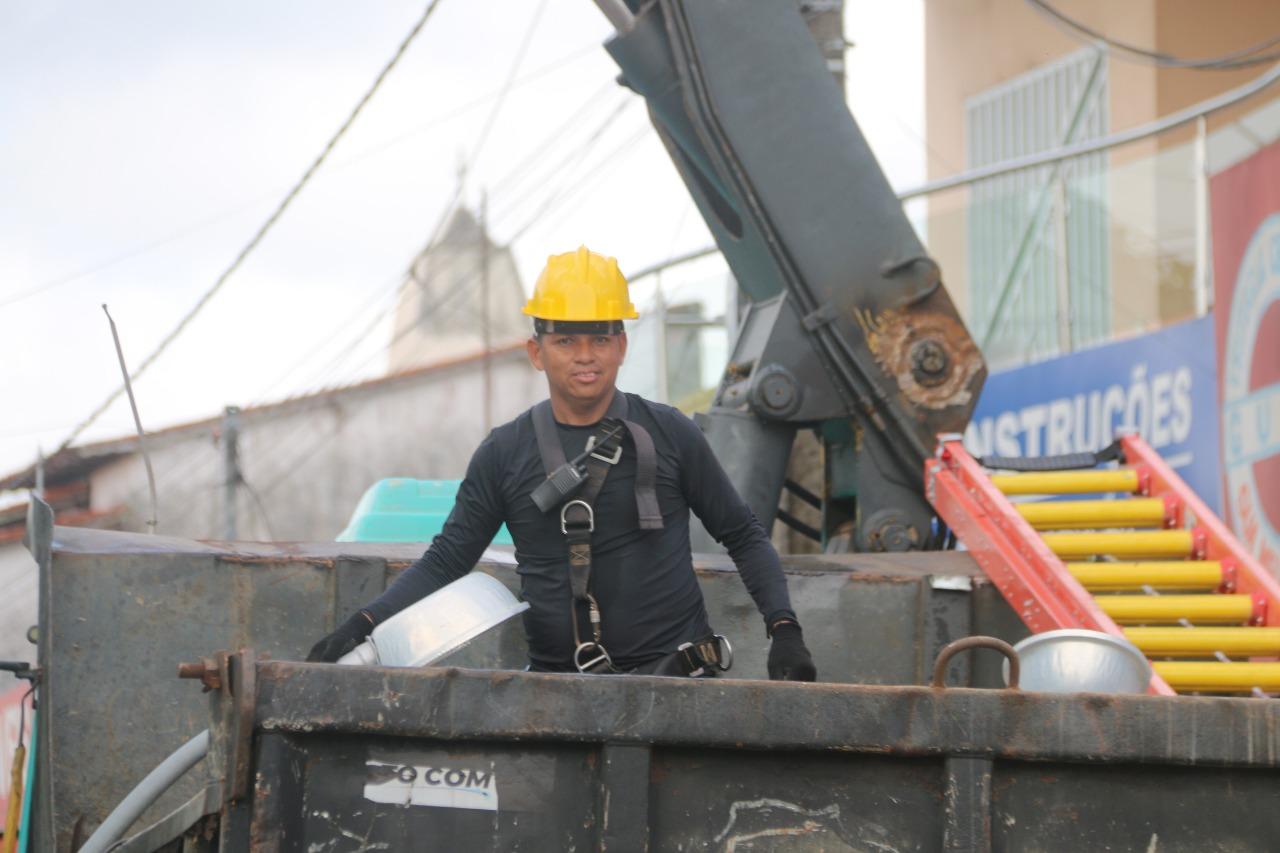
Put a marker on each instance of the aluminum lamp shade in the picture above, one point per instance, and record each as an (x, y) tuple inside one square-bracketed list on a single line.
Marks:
[(1080, 661), (439, 624)]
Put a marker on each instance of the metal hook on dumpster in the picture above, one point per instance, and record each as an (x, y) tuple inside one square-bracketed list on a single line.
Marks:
[(952, 649)]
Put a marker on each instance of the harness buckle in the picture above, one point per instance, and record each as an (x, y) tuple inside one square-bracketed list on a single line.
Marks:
[(693, 653), (726, 653), (591, 516), (588, 665), (613, 460)]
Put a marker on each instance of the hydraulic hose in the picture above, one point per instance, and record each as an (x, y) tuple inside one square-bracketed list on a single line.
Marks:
[(147, 792)]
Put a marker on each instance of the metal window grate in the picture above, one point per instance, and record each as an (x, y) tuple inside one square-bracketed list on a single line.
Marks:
[(1026, 115)]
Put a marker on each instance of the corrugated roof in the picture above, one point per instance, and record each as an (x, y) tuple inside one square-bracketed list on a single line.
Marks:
[(11, 533)]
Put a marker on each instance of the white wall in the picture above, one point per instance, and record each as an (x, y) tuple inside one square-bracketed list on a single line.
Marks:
[(309, 461)]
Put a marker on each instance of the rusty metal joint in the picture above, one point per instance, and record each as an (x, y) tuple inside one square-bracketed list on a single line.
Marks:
[(207, 670), (819, 317)]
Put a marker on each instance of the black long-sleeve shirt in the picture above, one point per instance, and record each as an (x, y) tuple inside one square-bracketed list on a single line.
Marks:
[(643, 579)]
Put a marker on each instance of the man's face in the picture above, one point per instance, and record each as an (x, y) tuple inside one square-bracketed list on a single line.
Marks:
[(579, 367)]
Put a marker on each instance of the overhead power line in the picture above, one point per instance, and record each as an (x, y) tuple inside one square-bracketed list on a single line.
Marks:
[(527, 167), (557, 198), (571, 160), (488, 124), (1243, 58), (336, 165), (262, 231)]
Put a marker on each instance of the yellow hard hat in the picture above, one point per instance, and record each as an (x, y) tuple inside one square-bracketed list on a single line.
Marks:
[(581, 287)]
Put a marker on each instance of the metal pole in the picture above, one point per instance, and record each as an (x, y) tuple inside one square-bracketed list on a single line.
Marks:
[(731, 298), (618, 14), (660, 315), (1204, 275), (39, 491), (825, 19), (231, 470), (484, 312), (1063, 266)]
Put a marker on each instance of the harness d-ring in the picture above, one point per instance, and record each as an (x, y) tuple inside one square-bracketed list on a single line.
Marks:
[(591, 516), (587, 666)]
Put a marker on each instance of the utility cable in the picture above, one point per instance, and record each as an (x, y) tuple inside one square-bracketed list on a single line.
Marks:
[(526, 168), (610, 161), (328, 380), (572, 159), (294, 463), (262, 231), (476, 149), (507, 84), (339, 164), (1243, 58), (348, 319), (253, 493)]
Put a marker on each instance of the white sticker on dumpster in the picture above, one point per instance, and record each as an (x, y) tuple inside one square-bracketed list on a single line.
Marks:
[(431, 785)]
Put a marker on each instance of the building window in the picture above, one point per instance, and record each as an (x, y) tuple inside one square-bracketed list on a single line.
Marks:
[(1018, 223)]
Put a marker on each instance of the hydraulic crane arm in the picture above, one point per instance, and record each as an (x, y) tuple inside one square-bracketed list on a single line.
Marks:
[(849, 321)]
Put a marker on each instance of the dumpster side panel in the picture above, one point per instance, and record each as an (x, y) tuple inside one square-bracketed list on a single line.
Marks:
[(392, 794), (727, 800), (113, 702), (1054, 807)]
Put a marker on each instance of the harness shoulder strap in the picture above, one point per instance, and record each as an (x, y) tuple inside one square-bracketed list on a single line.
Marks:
[(646, 477), (646, 465), (549, 447)]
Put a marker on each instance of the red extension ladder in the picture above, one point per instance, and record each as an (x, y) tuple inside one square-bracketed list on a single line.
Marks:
[(1150, 557)]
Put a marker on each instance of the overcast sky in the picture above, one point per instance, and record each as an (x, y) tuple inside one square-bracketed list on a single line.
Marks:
[(143, 143)]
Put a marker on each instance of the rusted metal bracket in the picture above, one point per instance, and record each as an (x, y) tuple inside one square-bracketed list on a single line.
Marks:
[(235, 678), (243, 695)]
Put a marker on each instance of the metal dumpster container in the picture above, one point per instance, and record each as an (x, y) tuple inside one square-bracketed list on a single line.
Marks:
[(314, 757), (120, 611)]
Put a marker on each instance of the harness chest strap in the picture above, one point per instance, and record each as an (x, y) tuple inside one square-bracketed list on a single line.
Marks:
[(552, 453)]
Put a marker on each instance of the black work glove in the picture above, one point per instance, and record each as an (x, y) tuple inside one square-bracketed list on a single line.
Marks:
[(789, 658), (348, 635)]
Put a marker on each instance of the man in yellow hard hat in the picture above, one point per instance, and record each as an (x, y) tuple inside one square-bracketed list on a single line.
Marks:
[(596, 487)]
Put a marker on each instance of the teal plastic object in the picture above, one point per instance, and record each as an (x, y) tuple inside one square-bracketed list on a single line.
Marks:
[(398, 509)]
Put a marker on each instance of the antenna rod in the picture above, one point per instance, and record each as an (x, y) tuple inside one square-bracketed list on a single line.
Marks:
[(137, 421)]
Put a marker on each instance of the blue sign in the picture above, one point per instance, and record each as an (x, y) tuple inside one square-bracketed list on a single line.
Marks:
[(1162, 385)]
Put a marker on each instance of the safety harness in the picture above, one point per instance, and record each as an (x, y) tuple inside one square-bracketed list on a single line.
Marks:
[(573, 486)]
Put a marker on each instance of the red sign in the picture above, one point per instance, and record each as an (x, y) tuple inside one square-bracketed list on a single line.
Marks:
[(1246, 272), (11, 718)]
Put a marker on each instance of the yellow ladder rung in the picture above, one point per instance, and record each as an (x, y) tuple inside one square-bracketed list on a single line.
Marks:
[(1196, 609), (1203, 642), (1093, 515), (1144, 543), (1068, 482), (1217, 677), (1181, 575)]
